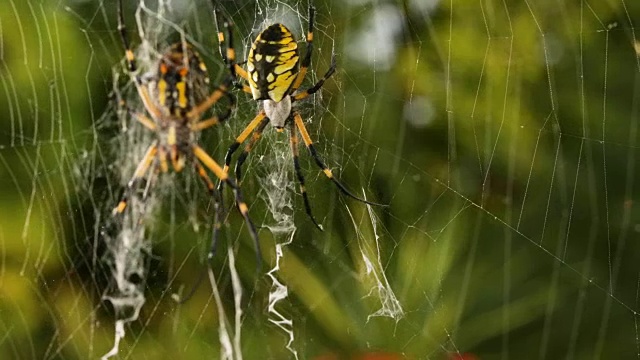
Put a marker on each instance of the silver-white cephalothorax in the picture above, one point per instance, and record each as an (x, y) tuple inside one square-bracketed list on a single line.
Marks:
[(278, 112)]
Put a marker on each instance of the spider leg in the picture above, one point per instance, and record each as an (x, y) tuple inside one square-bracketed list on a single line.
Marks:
[(216, 119), (131, 59), (257, 133), (309, 143), (138, 175), (312, 90), (296, 166), (205, 124), (222, 90), (216, 226), (142, 118), (239, 140), (228, 56), (241, 159), (246, 88), (132, 66), (306, 61), (217, 206), (212, 165)]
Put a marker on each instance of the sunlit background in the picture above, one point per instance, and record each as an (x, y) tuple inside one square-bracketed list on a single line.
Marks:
[(503, 135)]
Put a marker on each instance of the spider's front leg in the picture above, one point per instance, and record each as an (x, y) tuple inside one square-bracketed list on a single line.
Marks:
[(229, 55), (261, 117), (296, 166), (132, 66)]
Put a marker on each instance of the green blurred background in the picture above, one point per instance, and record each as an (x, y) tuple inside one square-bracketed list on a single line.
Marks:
[(503, 134)]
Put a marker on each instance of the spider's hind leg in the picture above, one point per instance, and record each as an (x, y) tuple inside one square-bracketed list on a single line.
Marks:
[(296, 165), (309, 143), (213, 166)]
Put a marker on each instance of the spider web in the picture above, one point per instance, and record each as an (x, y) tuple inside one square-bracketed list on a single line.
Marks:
[(502, 134)]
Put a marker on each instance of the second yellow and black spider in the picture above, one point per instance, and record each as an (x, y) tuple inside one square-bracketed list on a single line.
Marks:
[(275, 73), (176, 95)]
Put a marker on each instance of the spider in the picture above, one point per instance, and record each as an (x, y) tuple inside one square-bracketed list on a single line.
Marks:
[(274, 73), (176, 96)]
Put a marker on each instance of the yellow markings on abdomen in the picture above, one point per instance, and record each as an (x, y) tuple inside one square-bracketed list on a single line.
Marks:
[(162, 92), (288, 47), (285, 75), (182, 94), (278, 89), (287, 56), (285, 32), (171, 136), (286, 65), (273, 63)]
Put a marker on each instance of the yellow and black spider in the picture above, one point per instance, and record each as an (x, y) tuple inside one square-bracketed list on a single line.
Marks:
[(274, 73), (176, 96)]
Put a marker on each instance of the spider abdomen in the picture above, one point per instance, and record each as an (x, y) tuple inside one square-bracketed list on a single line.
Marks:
[(273, 63)]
